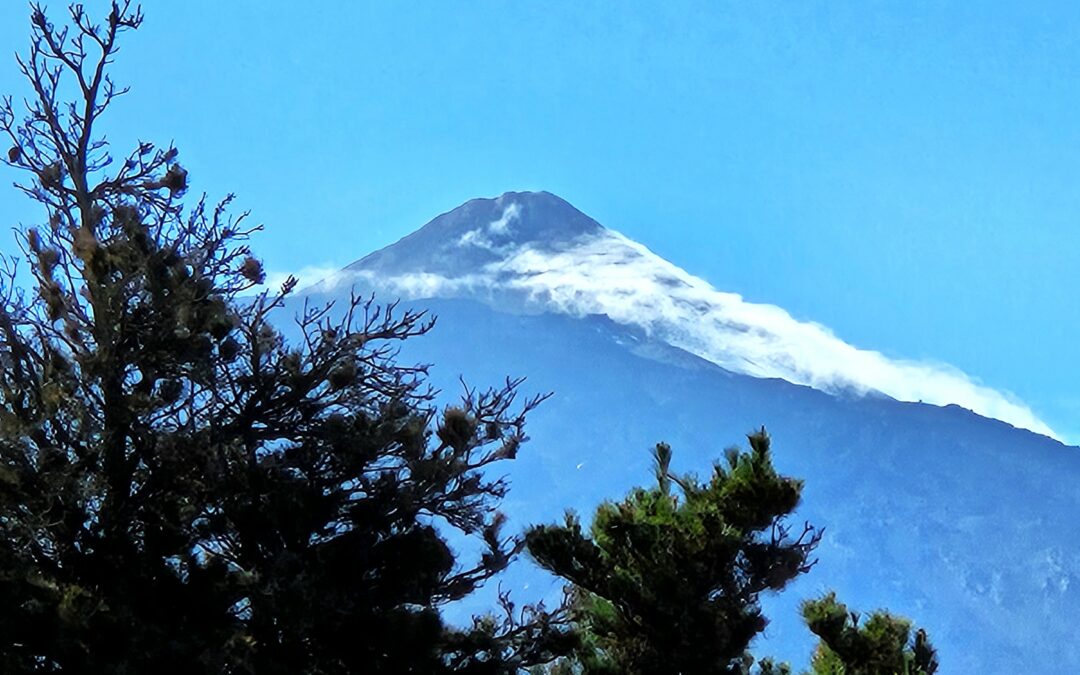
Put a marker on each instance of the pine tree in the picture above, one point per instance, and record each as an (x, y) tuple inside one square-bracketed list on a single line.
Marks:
[(882, 645), (667, 581), (184, 490)]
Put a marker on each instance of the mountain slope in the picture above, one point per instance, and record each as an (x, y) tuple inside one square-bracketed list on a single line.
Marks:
[(535, 252), (963, 522)]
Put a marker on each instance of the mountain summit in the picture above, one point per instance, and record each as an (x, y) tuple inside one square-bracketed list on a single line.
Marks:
[(480, 232), (534, 252)]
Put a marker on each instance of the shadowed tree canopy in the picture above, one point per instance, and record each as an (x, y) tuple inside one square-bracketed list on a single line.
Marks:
[(184, 490), (882, 645), (667, 581)]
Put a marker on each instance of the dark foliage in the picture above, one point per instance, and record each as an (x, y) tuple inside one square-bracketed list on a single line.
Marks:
[(667, 581), (181, 488), (881, 645)]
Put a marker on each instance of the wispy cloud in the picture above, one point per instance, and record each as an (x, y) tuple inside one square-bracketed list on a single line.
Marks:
[(305, 276), (612, 275), (481, 236)]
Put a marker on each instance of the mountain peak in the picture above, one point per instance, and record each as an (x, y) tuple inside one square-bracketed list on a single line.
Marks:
[(481, 231), (517, 217)]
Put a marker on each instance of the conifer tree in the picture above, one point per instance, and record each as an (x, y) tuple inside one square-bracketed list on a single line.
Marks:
[(667, 580), (883, 644), (182, 489)]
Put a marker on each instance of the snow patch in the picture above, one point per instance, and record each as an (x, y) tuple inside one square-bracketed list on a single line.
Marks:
[(481, 236)]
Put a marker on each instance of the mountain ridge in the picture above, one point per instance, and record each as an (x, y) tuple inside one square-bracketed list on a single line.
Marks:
[(534, 252)]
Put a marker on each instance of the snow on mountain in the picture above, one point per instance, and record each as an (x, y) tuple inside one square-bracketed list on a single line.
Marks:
[(534, 252)]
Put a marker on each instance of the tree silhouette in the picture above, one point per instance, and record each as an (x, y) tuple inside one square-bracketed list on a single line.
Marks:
[(182, 489), (668, 579), (882, 645)]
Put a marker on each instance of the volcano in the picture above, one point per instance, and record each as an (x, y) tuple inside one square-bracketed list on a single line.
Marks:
[(942, 499)]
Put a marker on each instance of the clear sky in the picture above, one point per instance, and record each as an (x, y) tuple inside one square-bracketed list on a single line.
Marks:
[(906, 173)]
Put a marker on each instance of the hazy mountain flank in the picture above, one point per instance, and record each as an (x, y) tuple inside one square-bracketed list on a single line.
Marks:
[(966, 522)]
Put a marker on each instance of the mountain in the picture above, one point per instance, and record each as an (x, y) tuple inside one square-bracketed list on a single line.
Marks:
[(963, 521), (479, 232), (534, 252)]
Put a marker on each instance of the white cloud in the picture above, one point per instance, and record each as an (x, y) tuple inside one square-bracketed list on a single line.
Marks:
[(306, 276), (427, 285), (481, 236), (612, 275), (509, 215)]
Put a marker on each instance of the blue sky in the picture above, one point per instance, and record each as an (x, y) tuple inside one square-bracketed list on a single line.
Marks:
[(907, 174)]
